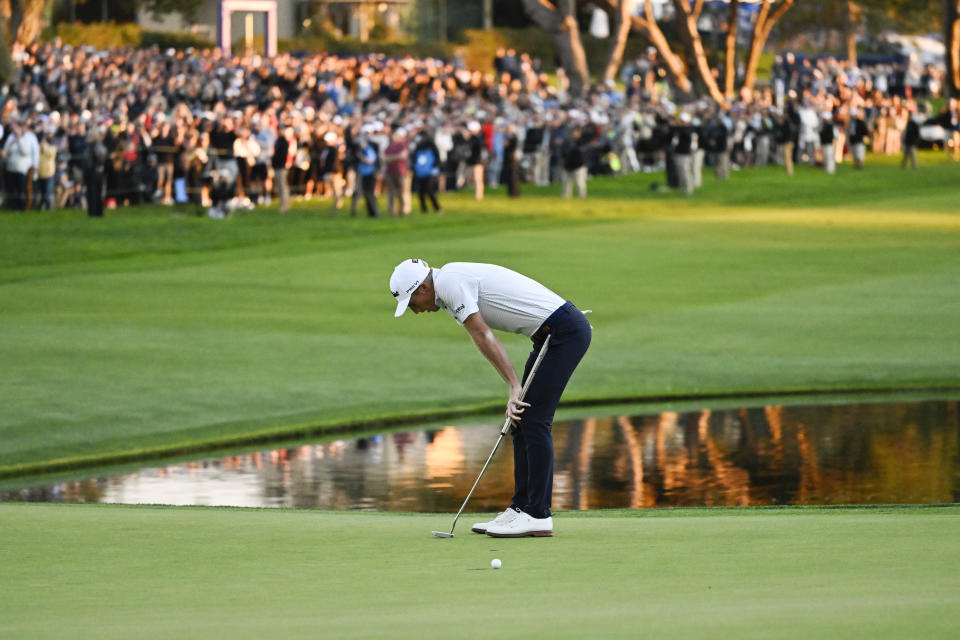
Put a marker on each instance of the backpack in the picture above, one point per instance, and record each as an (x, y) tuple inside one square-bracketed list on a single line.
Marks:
[(425, 163)]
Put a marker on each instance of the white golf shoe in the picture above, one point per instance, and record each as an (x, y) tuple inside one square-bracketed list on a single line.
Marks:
[(522, 526), (501, 519)]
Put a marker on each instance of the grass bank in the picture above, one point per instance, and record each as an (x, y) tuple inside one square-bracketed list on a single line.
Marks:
[(157, 331), (120, 572)]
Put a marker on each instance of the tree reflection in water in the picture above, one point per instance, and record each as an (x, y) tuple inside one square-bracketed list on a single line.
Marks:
[(842, 454)]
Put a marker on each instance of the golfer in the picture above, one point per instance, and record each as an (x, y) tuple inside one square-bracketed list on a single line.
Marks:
[(481, 297)]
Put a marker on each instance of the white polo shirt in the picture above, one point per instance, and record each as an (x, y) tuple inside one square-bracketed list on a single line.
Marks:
[(506, 300)]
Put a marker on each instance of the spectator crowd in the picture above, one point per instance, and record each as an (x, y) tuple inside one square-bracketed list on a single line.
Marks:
[(96, 129)]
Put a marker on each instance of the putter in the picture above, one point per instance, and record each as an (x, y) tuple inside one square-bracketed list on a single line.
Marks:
[(503, 432)]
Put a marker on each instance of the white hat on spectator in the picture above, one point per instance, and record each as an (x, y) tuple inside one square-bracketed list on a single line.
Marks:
[(473, 126), (330, 137)]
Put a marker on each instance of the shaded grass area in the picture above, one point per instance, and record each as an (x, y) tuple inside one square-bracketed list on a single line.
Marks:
[(119, 572), (155, 331)]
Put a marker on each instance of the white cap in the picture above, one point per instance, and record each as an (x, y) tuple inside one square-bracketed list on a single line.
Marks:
[(406, 277)]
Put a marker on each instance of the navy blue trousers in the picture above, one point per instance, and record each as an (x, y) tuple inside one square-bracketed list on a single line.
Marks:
[(570, 335)]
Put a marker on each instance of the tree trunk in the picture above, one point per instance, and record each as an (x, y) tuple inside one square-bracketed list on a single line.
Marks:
[(687, 21), (561, 22), (951, 38), (649, 25), (621, 29), (9, 24), (730, 61), (442, 20), (7, 74), (955, 57), (23, 20), (853, 18), (761, 32), (32, 22)]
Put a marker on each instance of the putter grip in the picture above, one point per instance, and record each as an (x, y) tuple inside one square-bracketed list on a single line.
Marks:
[(526, 384)]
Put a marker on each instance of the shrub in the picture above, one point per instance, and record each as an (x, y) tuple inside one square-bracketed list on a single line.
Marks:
[(111, 35), (100, 35), (177, 40)]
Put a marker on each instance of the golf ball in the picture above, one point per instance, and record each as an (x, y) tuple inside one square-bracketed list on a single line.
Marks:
[(495, 563)]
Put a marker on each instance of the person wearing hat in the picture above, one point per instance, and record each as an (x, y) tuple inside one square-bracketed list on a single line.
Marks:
[(483, 297), (476, 149), (331, 167), (828, 134)]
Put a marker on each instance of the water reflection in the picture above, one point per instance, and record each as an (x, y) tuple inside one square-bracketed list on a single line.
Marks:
[(846, 454)]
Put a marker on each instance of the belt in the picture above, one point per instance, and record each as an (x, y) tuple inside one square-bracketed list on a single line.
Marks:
[(542, 332)]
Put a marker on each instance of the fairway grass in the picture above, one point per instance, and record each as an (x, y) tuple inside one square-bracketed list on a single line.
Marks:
[(102, 572), (155, 332)]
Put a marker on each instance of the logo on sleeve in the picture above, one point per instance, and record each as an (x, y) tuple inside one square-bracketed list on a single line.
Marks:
[(459, 309)]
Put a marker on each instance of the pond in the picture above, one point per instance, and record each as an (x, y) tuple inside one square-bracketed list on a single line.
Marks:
[(860, 453)]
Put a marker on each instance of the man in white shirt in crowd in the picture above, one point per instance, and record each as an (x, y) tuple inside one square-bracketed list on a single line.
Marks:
[(482, 297), (21, 155)]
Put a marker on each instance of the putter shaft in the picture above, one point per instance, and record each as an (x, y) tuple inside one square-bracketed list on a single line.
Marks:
[(503, 432)]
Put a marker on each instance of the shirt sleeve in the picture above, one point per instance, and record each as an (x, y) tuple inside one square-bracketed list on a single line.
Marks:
[(462, 298)]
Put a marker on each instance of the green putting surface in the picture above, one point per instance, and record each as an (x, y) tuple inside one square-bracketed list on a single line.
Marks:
[(148, 572)]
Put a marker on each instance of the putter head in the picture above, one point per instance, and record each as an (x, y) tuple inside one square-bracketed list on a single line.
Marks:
[(442, 534)]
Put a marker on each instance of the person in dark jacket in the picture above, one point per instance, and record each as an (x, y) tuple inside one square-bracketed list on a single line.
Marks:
[(787, 132), (858, 137), (683, 148), (715, 143), (911, 137), (511, 164), (94, 169), (476, 148), (426, 169), (574, 164), (284, 151), (331, 167), (827, 138), (368, 166)]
